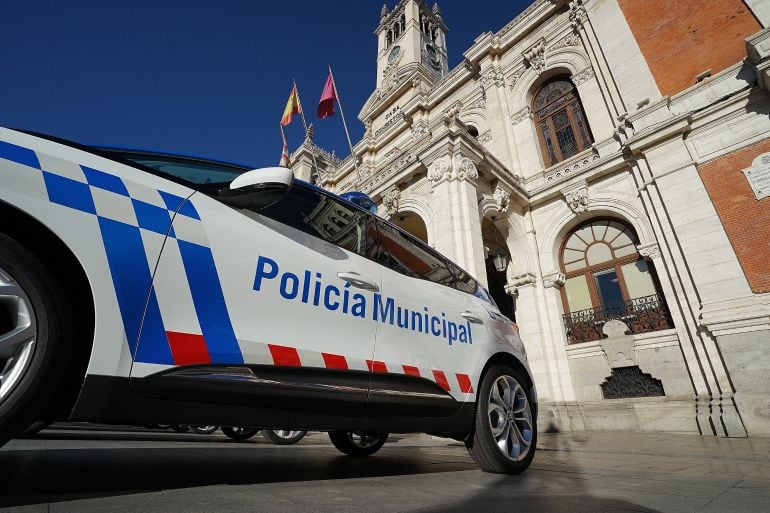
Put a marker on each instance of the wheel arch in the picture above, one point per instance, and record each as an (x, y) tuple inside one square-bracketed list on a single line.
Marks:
[(57, 256), (511, 360)]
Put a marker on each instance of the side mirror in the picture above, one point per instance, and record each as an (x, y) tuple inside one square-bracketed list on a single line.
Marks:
[(267, 177), (258, 188)]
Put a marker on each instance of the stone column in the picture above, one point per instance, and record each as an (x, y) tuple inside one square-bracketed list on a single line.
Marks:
[(458, 229)]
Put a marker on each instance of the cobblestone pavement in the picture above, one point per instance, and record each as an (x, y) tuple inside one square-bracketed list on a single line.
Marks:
[(73, 468)]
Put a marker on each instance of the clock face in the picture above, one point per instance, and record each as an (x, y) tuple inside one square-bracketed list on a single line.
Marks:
[(435, 59), (394, 53)]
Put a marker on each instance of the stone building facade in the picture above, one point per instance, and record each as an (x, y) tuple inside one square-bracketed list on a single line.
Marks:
[(616, 153)]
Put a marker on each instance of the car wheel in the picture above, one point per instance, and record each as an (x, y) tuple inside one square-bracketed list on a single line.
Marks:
[(204, 430), (35, 337), (239, 433), (283, 436), (505, 431), (356, 443)]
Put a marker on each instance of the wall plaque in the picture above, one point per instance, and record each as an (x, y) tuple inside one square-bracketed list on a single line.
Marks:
[(758, 176)]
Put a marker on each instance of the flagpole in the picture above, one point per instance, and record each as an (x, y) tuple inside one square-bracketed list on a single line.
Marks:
[(344, 124), (307, 135)]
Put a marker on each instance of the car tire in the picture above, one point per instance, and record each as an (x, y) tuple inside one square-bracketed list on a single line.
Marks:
[(505, 431), (283, 436), (355, 443), (36, 336), (239, 434)]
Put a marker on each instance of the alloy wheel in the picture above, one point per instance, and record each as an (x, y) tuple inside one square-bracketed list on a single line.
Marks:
[(510, 418), (18, 333)]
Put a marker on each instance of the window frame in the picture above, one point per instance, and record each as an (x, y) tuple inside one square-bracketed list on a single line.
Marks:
[(435, 254), (581, 145), (588, 272)]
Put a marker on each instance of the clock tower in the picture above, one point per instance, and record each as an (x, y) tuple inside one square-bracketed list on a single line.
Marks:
[(411, 35)]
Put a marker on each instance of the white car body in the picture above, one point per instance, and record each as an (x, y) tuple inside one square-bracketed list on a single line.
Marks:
[(205, 313)]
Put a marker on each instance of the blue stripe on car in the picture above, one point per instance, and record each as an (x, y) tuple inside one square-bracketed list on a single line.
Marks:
[(69, 193), (173, 203), (23, 156), (104, 181), (209, 303), (132, 279)]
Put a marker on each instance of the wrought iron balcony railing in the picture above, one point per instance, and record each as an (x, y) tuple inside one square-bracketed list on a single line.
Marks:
[(641, 315)]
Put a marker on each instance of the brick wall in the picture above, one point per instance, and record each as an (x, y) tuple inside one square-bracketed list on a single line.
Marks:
[(746, 220), (682, 38)]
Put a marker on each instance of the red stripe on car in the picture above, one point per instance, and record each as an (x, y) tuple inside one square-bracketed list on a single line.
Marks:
[(465, 383), (335, 361), (441, 379), (188, 348), (284, 356), (375, 366), (411, 371)]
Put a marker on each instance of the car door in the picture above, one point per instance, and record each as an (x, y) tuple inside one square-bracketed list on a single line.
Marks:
[(426, 329), (271, 305)]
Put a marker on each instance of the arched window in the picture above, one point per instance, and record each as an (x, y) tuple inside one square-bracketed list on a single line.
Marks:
[(560, 120), (606, 279)]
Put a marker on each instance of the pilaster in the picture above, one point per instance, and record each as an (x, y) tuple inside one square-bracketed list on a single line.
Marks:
[(458, 232)]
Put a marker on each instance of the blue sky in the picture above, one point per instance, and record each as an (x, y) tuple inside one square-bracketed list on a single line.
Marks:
[(206, 78)]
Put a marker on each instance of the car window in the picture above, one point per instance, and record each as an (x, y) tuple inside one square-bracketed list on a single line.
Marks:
[(325, 217), (463, 281), (407, 256), (200, 172)]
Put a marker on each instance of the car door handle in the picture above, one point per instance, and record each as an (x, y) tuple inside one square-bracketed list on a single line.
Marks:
[(359, 281), (469, 316)]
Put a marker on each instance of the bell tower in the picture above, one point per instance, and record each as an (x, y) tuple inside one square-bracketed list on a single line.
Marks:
[(411, 34)]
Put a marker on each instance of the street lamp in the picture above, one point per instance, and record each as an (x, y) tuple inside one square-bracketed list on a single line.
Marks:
[(499, 259)]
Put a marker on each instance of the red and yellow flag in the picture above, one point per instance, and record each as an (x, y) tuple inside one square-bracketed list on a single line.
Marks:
[(292, 107)]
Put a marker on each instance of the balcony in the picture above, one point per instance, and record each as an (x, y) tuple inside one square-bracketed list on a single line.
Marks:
[(641, 315)]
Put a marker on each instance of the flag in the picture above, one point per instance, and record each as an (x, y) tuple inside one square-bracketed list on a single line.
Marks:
[(292, 107), (285, 161), (326, 105)]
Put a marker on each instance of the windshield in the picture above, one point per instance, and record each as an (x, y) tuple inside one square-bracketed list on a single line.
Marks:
[(200, 172)]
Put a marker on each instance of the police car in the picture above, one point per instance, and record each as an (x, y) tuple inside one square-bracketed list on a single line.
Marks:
[(146, 288)]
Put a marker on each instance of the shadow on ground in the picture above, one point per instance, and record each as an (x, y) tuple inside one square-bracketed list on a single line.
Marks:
[(54, 475)]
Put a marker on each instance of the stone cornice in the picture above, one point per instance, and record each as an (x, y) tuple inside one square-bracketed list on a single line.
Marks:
[(656, 134), (520, 27)]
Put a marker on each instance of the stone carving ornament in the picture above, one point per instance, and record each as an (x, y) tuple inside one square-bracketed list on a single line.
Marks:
[(570, 39), (467, 170), (485, 137), (438, 170), (391, 201), (577, 14), (554, 279), (514, 78), (535, 56), (577, 200), (651, 250), (502, 197), (494, 76), (521, 116), (583, 76)]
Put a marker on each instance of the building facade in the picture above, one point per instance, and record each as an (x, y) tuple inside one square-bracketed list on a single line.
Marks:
[(612, 158)]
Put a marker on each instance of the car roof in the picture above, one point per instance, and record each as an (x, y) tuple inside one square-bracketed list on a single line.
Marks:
[(102, 149)]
